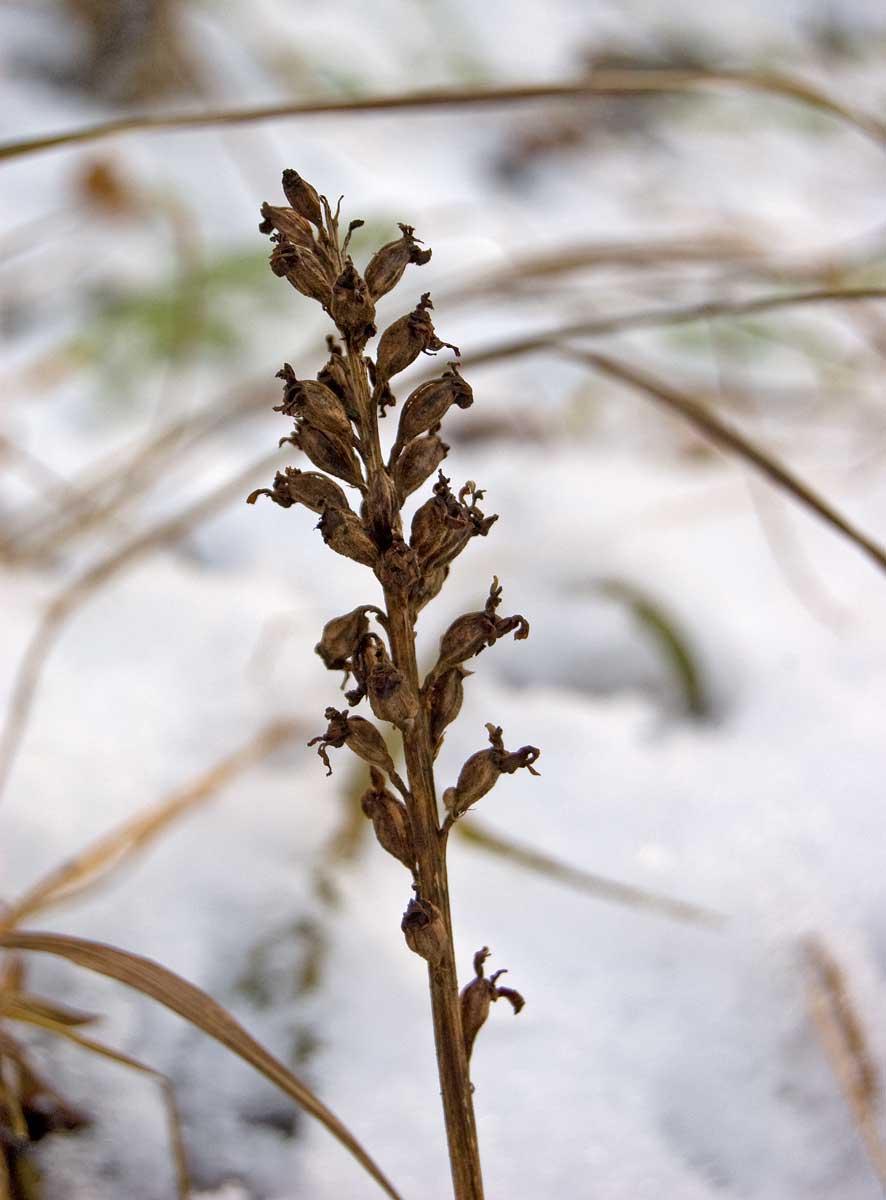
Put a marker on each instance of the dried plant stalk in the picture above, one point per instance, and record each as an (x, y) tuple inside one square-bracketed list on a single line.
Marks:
[(337, 427)]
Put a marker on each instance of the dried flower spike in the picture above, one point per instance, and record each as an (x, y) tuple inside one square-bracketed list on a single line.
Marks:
[(336, 420)]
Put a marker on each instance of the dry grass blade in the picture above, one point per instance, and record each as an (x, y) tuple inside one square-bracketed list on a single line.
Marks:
[(76, 593), (108, 852), (26, 1012), (843, 1039), (603, 82), (684, 314), (195, 1006), (610, 890), (705, 420)]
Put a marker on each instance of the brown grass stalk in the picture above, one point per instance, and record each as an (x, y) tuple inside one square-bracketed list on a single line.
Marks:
[(842, 1035), (603, 82)]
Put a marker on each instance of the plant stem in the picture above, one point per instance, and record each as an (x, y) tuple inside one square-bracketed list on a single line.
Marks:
[(430, 851)]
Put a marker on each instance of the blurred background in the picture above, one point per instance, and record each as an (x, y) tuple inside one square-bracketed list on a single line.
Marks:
[(691, 896)]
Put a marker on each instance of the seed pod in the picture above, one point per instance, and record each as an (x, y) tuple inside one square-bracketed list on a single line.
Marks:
[(382, 507), (399, 568), (329, 453), (315, 491), (352, 308), (443, 525), (387, 265), (341, 636), (482, 770), (425, 930), (390, 820), (303, 270), (362, 737), (417, 462), (428, 404), (428, 587), (408, 337), (390, 694), (313, 403), (478, 995), (472, 633), (444, 700), (346, 534), (289, 223), (302, 197), (333, 374)]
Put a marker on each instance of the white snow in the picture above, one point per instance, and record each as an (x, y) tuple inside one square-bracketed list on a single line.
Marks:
[(652, 1058)]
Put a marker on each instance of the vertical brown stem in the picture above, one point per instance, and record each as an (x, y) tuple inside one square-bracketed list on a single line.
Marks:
[(430, 850)]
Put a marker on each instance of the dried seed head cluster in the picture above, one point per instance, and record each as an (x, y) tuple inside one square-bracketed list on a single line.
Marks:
[(336, 425)]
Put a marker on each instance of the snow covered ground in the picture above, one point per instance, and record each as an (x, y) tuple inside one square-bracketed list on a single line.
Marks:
[(653, 1057)]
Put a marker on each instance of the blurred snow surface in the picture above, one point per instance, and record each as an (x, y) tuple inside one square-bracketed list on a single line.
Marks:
[(652, 1058)]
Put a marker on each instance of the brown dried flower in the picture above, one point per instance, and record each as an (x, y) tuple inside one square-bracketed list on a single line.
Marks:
[(358, 735), (477, 997), (302, 197), (425, 930), (390, 820), (471, 634), (315, 491), (417, 463), (387, 265), (408, 337), (482, 771)]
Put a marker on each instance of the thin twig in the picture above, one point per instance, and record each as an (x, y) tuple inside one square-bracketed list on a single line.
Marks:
[(615, 82)]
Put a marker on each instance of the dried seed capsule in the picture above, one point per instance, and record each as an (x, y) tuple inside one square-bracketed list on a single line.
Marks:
[(444, 699), (315, 491), (302, 197), (472, 633), (387, 265), (417, 462), (330, 453), (382, 507), (390, 695), (352, 308), (408, 337), (399, 568), (482, 770), (428, 587), (390, 820), (313, 403), (291, 224), (358, 735), (444, 525), (345, 533), (425, 930), (303, 270), (333, 374), (428, 404), (342, 635), (478, 995)]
